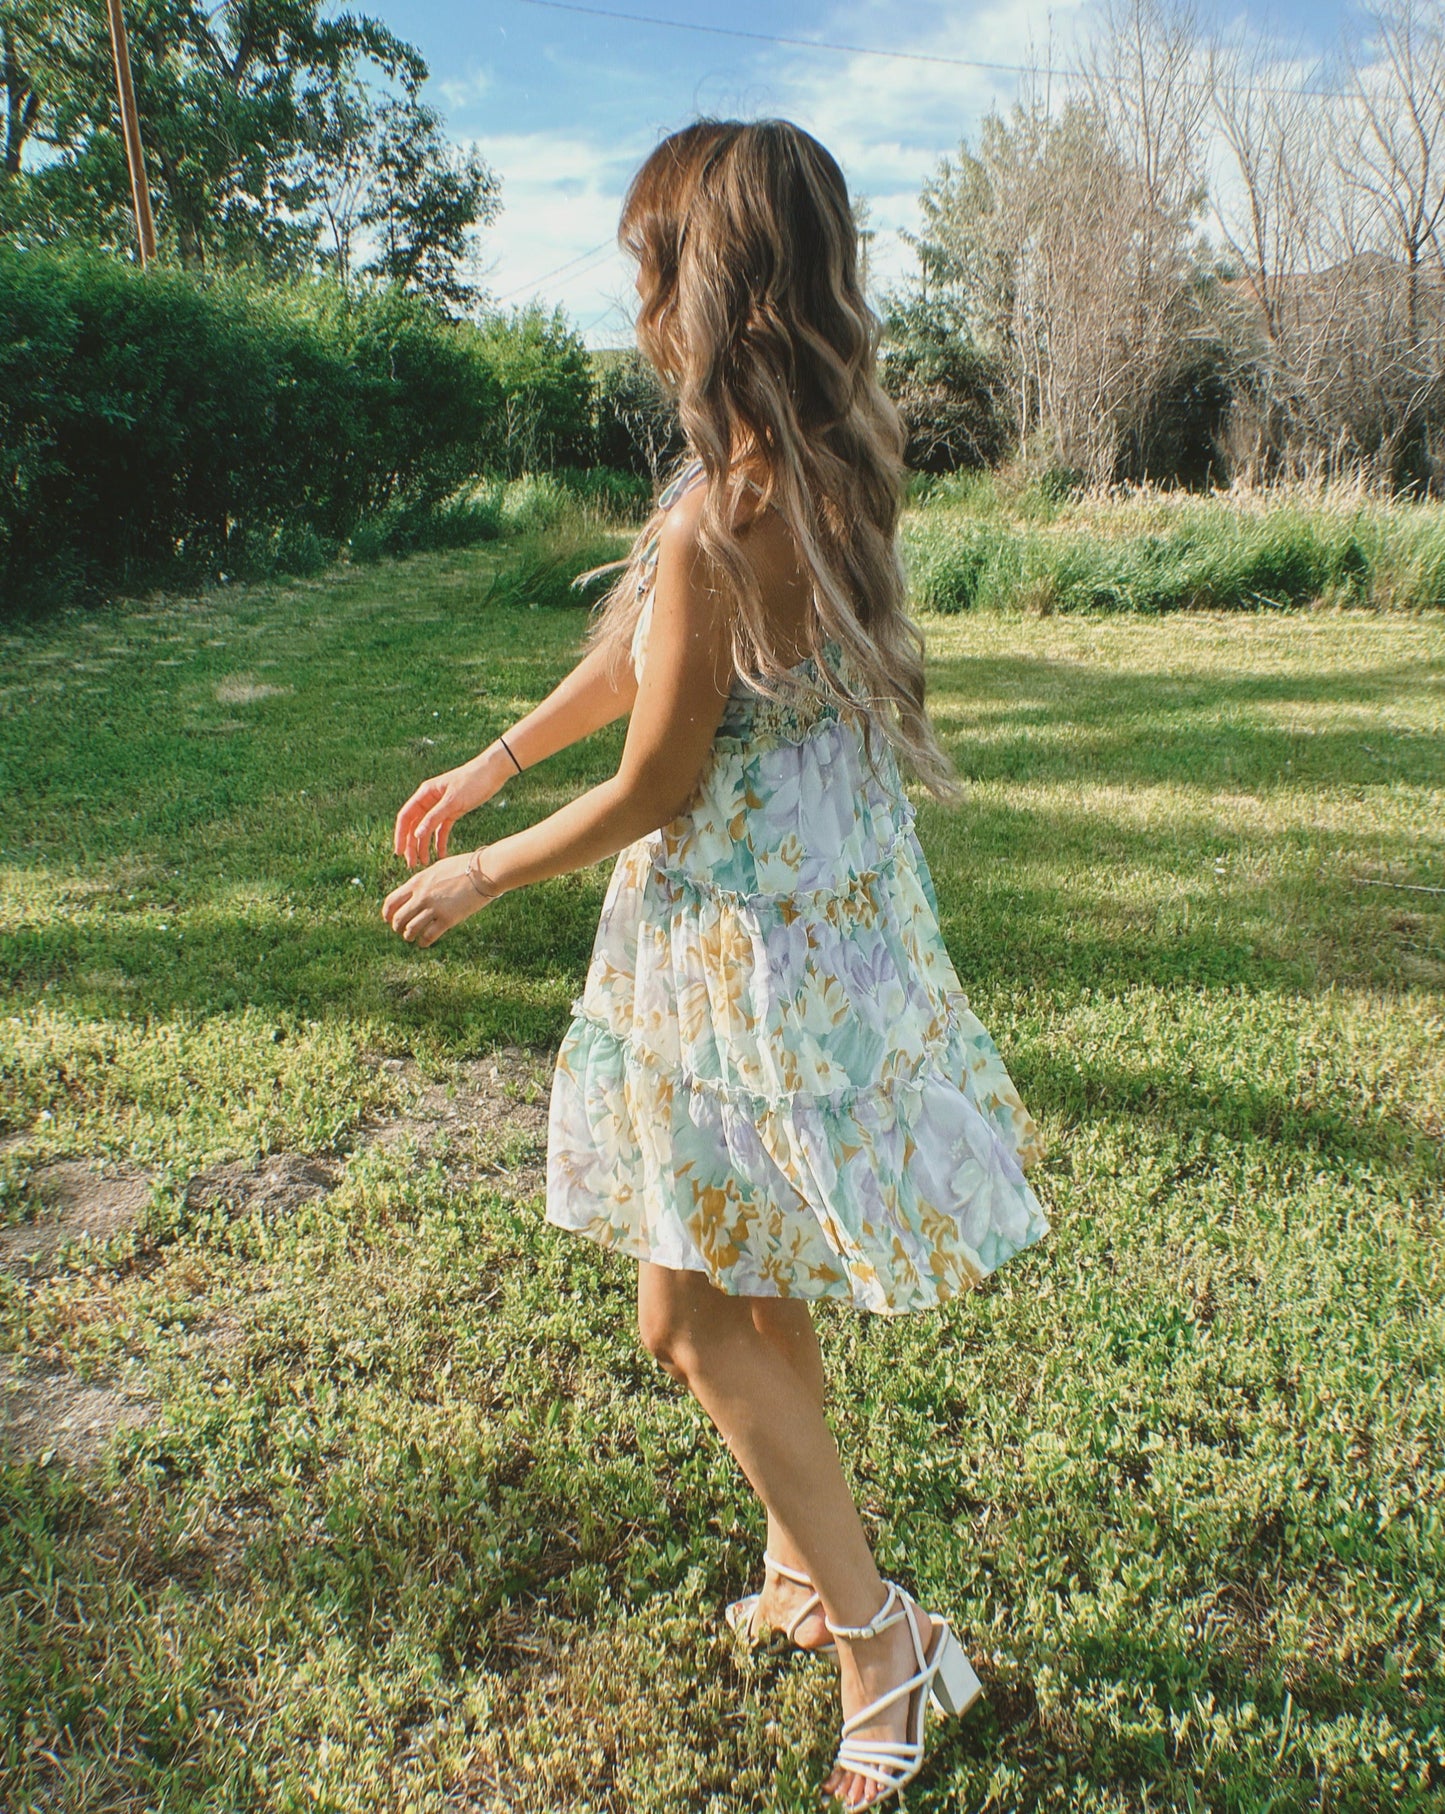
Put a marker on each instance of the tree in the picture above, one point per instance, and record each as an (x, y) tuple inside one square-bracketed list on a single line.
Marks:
[(1062, 248), (255, 116), (53, 60), (426, 198), (26, 51), (1390, 165), (1338, 313)]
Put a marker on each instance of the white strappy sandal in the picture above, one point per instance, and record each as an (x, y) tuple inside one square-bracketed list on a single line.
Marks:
[(739, 1613), (944, 1677)]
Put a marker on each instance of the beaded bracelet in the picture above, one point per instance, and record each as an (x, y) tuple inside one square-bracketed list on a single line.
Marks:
[(486, 893)]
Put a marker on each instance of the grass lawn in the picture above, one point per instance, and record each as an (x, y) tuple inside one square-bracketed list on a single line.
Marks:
[(335, 1480)]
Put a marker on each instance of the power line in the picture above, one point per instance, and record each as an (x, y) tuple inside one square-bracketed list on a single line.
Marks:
[(603, 246), (873, 50), (856, 50), (764, 37), (602, 314)]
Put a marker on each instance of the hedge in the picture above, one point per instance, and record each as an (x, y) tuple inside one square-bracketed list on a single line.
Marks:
[(155, 424)]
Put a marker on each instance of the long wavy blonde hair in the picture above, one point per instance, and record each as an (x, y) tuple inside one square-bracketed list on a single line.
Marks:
[(754, 319)]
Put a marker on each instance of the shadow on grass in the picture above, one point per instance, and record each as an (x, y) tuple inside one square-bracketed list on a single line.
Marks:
[(1281, 1111), (1195, 732), (1026, 892), (517, 965)]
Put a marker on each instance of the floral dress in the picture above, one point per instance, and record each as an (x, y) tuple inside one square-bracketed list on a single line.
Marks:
[(772, 1075)]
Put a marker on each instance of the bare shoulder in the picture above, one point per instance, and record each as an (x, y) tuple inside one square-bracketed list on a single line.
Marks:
[(691, 603), (767, 546), (762, 533), (680, 519), (679, 546)]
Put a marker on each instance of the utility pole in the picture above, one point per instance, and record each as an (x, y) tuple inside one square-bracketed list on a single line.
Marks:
[(145, 230)]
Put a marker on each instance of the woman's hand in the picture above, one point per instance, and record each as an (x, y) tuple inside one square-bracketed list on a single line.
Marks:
[(431, 902), (437, 804)]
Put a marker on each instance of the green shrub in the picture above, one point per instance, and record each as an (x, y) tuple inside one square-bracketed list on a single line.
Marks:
[(637, 430), (456, 522), (382, 400), (159, 426), (951, 394), (534, 503), (288, 548), (608, 494), (543, 374), (555, 530)]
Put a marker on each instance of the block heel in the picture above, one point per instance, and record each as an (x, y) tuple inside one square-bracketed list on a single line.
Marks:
[(954, 1687)]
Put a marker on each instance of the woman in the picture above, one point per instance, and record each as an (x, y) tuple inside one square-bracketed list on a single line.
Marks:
[(772, 1088)]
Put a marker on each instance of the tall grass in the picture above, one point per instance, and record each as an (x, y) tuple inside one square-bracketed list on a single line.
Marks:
[(489, 508), (973, 542)]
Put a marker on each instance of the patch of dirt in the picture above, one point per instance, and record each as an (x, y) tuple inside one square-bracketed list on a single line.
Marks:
[(222, 1333), (280, 1183), (240, 689), (493, 1119), (46, 1408), (77, 1198)]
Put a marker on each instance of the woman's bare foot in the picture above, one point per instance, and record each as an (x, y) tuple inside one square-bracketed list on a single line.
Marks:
[(868, 1667)]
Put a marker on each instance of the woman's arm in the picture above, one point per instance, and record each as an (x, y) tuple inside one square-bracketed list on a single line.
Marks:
[(676, 709), (577, 706), (686, 680)]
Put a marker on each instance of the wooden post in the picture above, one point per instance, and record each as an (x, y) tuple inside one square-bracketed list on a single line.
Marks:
[(130, 125)]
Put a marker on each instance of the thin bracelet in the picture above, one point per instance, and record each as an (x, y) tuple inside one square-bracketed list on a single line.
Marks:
[(486, 893), (508, 748)]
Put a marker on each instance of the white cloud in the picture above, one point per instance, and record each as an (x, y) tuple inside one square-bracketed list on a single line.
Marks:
[(464, 91), (888, 122)]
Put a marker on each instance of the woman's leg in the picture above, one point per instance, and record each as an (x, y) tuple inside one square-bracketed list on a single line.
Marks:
[(771, 1419), (788, 1324)]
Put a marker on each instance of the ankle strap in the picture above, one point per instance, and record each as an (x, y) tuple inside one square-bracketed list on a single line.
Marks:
[(881, 1619), (792, 1574)]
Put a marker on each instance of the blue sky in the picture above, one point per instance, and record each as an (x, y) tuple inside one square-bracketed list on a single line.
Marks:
[(564, 106)]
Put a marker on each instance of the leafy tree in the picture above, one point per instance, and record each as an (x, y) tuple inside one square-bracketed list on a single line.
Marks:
[(248, 112), (26, 52), (425, 198), (51, 61)]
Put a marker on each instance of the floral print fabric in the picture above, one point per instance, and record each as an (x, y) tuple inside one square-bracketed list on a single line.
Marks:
[(772, 1075)]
